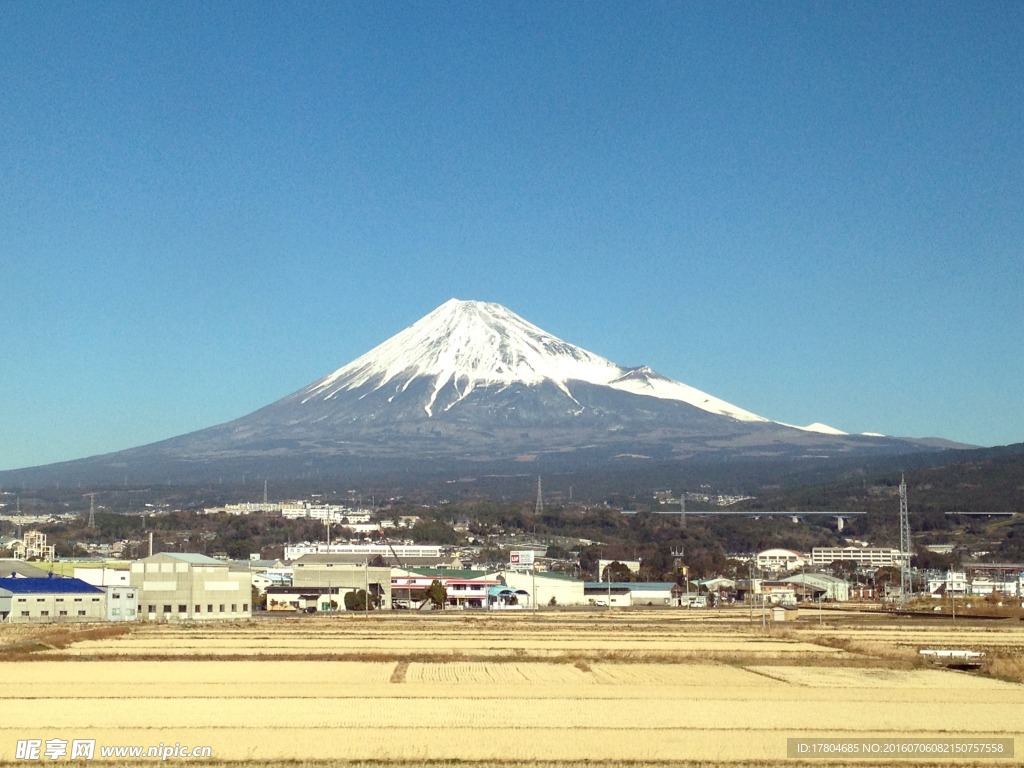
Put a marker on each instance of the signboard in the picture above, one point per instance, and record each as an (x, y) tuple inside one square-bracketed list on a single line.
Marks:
[(521, 558)]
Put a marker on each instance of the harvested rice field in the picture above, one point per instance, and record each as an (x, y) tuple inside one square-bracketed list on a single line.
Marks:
[(554, 688)]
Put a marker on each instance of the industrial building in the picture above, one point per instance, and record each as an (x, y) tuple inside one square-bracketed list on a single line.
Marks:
[(189, 587), (50, 599)]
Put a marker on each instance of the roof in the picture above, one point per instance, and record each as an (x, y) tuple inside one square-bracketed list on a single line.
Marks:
[(35, 586), (322, 558), (20, 567), (305, 590), (192, 558), (449, 573), (633, 586), (552, 575), (820, 580)]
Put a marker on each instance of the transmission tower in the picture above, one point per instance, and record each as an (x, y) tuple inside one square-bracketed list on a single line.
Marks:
[(905, 586), (91, 525), (539, 509)]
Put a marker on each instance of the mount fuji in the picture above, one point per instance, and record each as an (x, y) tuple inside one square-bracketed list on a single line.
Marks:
[(473, 385)]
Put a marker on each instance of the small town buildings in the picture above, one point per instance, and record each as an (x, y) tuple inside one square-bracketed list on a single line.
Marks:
[(190, 587), (50, 599)]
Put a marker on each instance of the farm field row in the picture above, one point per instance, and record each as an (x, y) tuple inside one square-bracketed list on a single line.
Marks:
[(393, 702)]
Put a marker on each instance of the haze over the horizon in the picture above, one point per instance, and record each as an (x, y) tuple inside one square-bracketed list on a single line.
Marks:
[(815, 212)]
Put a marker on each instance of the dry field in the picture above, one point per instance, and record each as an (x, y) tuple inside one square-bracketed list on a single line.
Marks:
[(597, 689)]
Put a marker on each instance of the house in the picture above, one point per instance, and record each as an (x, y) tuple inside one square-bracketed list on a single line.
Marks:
[(190, 587), (50, 599)]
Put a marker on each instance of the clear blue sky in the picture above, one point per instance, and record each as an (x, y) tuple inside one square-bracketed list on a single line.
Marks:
[(812, 210)]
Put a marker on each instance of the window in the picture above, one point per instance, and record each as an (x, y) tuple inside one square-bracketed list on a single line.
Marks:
[(40, 599), (44, 613), (182, 609), (78, 599), (81, 613), (116, 596), (199, 609), (234, 607), (60, 599), (115, 611), (21, 599), (63, 613), (167, 609), (209, 608), (24, 613), (222, 607), (151, 608), (95, 599), (129, 612), (245, 607)]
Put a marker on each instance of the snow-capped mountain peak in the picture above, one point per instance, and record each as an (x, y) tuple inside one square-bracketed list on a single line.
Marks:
[(469, 344)]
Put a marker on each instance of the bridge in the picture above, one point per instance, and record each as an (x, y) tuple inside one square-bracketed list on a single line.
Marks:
[(982, 514), (841, 516)]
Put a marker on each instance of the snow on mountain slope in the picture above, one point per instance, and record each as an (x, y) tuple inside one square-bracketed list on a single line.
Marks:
[(644, 381), (470, 343), (822, 429)]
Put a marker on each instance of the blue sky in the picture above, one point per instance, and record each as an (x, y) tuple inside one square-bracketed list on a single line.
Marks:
[(812, 210)]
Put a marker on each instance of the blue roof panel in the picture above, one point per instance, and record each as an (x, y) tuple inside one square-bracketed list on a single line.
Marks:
[(48, 585)]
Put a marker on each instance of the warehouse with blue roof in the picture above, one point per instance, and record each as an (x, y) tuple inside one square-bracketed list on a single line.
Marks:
[(50, 599)]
